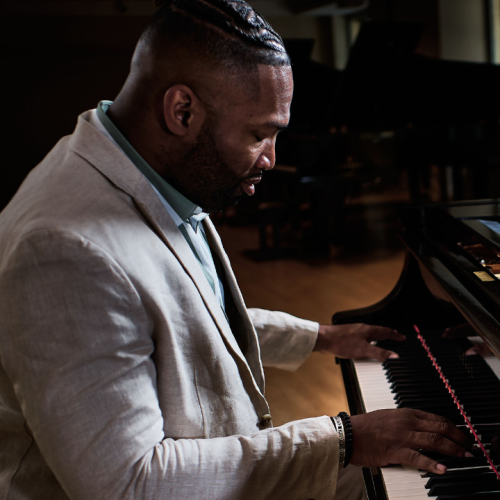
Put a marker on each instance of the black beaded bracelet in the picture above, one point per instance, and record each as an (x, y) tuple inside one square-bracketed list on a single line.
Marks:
[(346, 420)]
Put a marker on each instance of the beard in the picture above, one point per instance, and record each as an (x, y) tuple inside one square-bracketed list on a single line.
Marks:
[(207, 179)]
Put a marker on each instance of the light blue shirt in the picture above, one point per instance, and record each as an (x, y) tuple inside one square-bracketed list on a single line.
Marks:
[(185, 214)]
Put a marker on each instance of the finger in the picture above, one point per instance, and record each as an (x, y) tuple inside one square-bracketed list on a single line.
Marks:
[(435, 424), (406, 456), (383, 333), (458, 332), (375, 352), (481, 349), (433, 441)]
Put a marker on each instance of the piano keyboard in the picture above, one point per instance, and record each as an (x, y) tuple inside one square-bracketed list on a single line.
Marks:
[(416, 383)]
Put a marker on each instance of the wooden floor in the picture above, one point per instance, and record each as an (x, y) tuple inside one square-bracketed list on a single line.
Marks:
[(312, 290)]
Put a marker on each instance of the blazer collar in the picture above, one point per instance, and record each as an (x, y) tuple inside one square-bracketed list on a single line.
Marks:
[(106, 157)]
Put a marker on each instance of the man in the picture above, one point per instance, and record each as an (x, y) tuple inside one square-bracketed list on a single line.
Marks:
[(130, 367)]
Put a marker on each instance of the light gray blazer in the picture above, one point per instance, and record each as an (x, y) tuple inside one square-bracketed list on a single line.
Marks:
[(120, 377)]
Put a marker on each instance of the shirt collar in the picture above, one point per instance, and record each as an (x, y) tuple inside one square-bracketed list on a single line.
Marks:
[(182, 206)]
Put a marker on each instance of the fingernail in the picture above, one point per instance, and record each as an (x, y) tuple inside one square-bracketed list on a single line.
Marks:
[(441, 468), (394, 356), (468, 455), (470, 352)]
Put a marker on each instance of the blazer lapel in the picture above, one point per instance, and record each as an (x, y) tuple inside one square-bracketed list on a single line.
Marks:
[(90, 144), (253, 351)]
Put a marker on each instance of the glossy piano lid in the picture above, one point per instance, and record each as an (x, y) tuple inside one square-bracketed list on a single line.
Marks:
[(439, 236)]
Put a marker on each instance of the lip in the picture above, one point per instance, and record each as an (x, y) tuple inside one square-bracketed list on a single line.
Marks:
[(248, 185), (253, 180)]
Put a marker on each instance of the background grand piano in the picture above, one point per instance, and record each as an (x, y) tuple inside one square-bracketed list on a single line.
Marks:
[(390, 110)]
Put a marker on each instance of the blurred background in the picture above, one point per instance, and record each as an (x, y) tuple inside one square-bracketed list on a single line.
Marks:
[(396, 102)]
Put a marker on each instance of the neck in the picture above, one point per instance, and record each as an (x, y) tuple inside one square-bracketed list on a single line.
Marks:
[(143, 131), (139, 127)]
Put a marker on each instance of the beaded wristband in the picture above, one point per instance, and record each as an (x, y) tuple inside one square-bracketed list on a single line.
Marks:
[(339, 426), (346, 420)]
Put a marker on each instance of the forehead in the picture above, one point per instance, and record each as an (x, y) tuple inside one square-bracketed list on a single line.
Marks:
[(265, 96)]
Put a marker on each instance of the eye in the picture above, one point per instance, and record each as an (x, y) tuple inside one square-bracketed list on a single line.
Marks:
[(259, 139)]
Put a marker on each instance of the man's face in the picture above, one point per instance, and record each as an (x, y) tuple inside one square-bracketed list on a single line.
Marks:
[(234, 148)]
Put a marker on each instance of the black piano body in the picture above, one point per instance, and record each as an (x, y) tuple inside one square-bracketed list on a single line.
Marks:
[(448, 279), (390, 110)]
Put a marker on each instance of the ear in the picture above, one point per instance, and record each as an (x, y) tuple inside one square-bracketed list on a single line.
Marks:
[(183, 111)]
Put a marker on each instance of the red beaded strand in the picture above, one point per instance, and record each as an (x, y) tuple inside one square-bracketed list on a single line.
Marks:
[(457, 402)]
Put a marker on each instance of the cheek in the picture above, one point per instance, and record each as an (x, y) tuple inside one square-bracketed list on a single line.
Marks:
[(242, 160), (239, 156)]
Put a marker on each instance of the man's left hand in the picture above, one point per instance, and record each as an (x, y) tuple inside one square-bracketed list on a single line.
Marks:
[(465, 330), (354, 341)]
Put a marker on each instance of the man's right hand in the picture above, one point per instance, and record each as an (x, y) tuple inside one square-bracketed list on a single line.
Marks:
[(386, 437)]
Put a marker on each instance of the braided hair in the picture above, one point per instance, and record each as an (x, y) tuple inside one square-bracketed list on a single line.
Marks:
[(228, 31)]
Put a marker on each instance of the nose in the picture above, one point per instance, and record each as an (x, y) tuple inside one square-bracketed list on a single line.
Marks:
[(267, 158)]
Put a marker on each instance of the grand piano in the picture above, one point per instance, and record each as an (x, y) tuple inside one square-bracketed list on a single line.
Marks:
[(451, 277), (389, 109)]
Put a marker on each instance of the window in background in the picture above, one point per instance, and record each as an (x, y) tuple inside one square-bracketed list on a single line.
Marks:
[(494, 15), (353, 27)]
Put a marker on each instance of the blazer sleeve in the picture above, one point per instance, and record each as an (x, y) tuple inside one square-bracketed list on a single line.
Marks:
[(77, 345), (285, 340)]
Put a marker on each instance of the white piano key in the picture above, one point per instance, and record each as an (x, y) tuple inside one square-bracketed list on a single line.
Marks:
[(374, 387), (413, 494), (400, 482), (491, 359), (494, 363), (404, 482)]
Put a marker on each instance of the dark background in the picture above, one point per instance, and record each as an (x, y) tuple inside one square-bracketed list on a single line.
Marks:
[(60, 58)]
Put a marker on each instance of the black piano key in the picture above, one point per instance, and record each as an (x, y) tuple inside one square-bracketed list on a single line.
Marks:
[(416, 399), (407, 364), (464, 478), (471, 370), (423, 374), (416, 379), (489, 428), (419, 394), (482, 406), (492, 495), (487, 432), (416, 386), (421, 404), (465, 487), (410, 384), (471, 390), (467, 379), (476, 398), (485, 419)]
